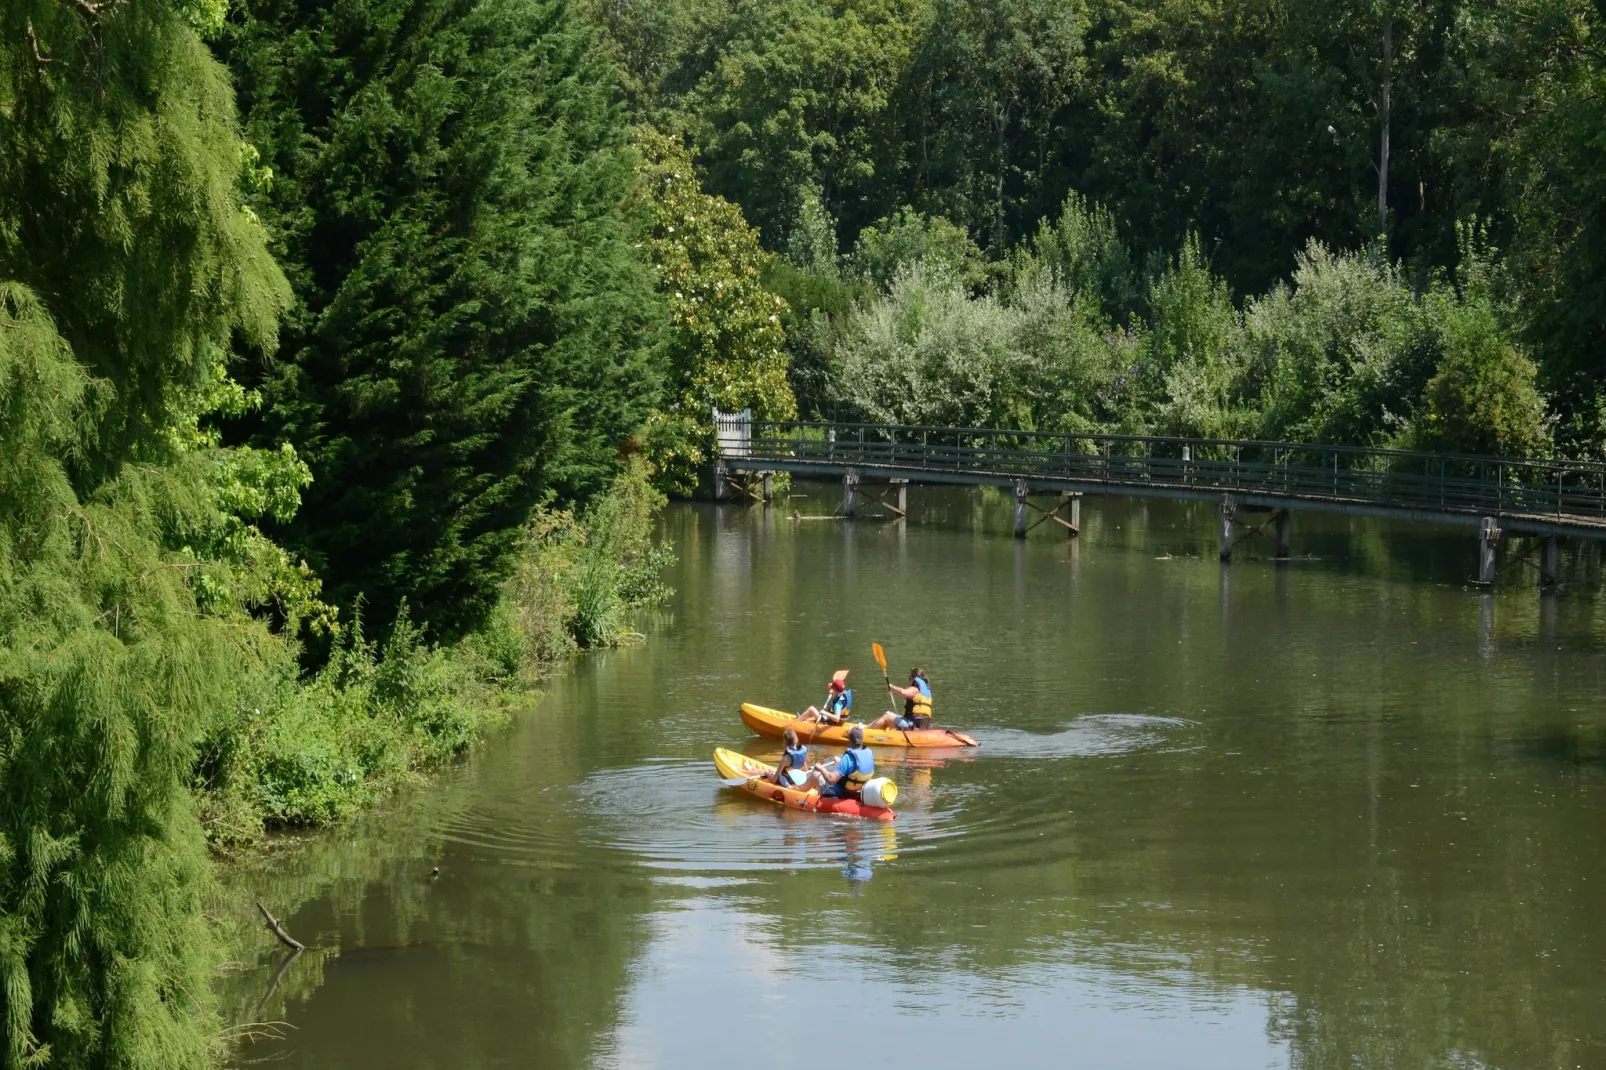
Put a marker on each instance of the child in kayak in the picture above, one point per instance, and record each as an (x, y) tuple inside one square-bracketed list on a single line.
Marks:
[(838, 702), (844, 777), (794, 765)]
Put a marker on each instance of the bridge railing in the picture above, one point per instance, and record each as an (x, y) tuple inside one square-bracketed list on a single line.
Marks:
[(1401, 478)]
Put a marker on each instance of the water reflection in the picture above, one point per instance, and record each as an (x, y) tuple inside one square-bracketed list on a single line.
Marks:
[(1341, 814)]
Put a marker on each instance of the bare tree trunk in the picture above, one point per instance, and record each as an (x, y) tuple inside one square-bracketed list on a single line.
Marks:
[(1385, 108)]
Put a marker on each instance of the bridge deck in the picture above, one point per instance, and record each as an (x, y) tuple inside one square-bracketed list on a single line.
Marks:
[(1542, 497)]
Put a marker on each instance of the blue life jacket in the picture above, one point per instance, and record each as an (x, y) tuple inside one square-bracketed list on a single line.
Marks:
[(839, 702), (796, 758), (857, 766)]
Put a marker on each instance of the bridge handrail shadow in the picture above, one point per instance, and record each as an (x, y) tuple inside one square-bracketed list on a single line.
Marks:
[(1573, 490)]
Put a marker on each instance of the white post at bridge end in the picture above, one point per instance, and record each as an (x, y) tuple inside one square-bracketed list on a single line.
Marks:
[(1488, 543), (1228, 513)]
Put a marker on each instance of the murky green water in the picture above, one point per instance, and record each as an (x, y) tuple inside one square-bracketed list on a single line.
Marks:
[(1340, 813)]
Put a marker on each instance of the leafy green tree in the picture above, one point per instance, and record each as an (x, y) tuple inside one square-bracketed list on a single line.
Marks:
[(906, 238), (1192, 351), (991, 77), (1483, 397), (469, 333), (127, 269), (724, 341), (929, 353), (801, 99), (811, 244), (1083, 250)]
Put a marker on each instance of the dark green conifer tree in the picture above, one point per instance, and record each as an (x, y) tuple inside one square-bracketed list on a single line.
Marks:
[(446, 197)]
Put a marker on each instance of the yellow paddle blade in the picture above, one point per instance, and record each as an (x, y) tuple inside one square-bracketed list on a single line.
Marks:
[(880, 655)]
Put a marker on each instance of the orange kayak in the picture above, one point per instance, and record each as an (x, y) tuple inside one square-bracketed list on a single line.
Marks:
[(732, 765), (768, 722)]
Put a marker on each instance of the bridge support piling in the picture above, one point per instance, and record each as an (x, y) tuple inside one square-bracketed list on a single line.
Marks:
[(1549, 559), (903, 496), (1229, 514), (1284, 527), (1488, 543), (1020, 508), (1075, 510), (850, 485), (769, 487), (722, 478)]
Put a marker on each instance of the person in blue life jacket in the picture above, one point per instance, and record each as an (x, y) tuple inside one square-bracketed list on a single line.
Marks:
[(794, 765), (838, 702), (916, 704), (845, 776)]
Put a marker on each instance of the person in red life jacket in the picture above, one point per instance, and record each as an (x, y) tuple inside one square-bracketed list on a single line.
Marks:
[(845, 776), (838, 702), (916, 704), (794, 766)]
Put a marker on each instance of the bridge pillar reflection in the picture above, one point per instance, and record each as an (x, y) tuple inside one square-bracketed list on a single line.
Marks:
[(1488, 543), (1549, 560)]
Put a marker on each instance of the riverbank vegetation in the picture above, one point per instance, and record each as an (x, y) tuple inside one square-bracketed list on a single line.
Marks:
[(316, 444), (345, 351)]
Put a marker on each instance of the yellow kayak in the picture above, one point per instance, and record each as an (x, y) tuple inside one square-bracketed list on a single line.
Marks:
[(768, 722), (732, 766)]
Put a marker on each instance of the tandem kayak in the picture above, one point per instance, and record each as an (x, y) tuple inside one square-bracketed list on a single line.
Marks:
[(768, 722), (732, 765)]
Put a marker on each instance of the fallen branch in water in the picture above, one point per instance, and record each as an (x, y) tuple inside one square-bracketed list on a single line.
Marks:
[(278, 930)]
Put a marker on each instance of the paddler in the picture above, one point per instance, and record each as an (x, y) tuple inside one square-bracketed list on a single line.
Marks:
[(838, 702), (844, 776), (794, 765), (916, 704)]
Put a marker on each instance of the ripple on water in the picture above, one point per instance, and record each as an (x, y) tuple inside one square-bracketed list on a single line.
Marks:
[(1091, 735), (674, 814)]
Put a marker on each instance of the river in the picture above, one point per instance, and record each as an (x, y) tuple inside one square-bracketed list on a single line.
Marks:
[(1340, 812)]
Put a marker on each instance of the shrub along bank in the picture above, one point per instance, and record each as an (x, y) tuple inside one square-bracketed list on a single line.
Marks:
[(295, 752)]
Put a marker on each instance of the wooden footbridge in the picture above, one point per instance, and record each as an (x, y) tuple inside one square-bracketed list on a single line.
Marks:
[(1255, 484)]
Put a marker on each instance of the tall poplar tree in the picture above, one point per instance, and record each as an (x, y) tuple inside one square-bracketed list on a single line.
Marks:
[(470, 328)]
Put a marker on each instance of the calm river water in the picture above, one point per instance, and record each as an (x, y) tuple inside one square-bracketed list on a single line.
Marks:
[(1343, 812)]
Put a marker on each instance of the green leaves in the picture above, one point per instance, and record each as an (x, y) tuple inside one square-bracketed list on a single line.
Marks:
[(724, 338), (448, 176), (127, 271)]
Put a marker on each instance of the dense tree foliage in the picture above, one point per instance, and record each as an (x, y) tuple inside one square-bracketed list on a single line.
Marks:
[(724, 340), (447, 178), (127, 269), (1257, 127)]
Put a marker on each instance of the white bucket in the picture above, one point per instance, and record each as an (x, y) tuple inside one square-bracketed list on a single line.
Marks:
[(879, 792)]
